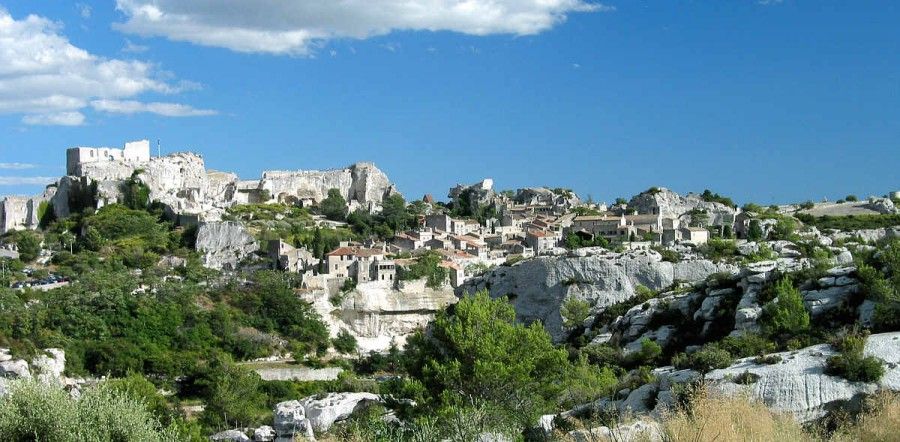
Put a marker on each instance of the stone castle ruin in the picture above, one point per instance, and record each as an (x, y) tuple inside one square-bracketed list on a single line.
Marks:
[(189, 191)]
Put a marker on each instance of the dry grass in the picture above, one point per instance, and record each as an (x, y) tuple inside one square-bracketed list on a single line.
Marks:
[(726, 419), (881, 422)]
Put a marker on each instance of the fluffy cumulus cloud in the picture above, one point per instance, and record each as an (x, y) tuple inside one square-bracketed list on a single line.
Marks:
[(51, 81), (296, 27)]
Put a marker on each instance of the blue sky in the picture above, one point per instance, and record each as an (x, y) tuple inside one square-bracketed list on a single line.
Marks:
[(773, 101)]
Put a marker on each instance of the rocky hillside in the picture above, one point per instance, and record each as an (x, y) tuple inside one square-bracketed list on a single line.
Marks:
[(537, 288)]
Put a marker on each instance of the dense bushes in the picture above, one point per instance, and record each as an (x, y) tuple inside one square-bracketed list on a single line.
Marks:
[(477, 354), (851, 222), (710, 357), (786, 315), (852, 364), (34, 411), (334, 207), (426, 266)]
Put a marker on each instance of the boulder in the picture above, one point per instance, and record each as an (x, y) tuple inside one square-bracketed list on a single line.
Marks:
[(15, 369), (290, 419), (672, 205), (636, 431), (323, 412), (264, 433), (230, 436), (50, 366), (640, 399), (822, 301)]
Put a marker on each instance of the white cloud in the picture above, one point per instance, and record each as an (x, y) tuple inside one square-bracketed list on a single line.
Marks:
[(84, 10), (134, 48), (45, 77), (17, 166), (25, 180), (165, 109), (298, 27), (55, 119)]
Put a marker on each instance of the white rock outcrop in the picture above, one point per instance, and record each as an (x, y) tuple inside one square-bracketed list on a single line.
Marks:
[(380, 315), (672, 205), (538, 287), (224, 244), (290, 420), (323, 412), (230, 436), (798, 384)]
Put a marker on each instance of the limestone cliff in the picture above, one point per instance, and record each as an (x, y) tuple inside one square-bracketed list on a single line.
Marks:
[(224, 244), (379, 315), (672, 205), (538, 287)]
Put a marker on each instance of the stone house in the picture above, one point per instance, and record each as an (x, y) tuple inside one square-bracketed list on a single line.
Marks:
[(289, 258), (360, 263), (694, 235), (542, 241)]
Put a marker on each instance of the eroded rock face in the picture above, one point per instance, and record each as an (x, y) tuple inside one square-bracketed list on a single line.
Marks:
[(362, 184), (50, 365), (672, 205), (290, 419), (798, 384), (538, 287), (379, 315), (224, 244), (323, 413)]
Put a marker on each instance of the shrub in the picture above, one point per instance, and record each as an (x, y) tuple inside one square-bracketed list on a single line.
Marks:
[(746, 378), (427, 266), (708, 358), (574, 312), (852, 364), (344, 342), (767, 359), (34, 411), (718, 249), (746, 345), (476, 351), (648, 354), (29, 245), (334, 207), (851, 198), (668, 255), (786, 315)]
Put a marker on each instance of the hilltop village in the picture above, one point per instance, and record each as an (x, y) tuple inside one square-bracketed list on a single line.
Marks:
[(309, 304)]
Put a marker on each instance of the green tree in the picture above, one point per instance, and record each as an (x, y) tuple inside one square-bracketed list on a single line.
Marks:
[(29, 245), (334, 207), (233, 396), (851, 198), (574, 312), (135, 194), (394, 213), (344, 342), (754, 232), (477, 352), (787, 315)]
